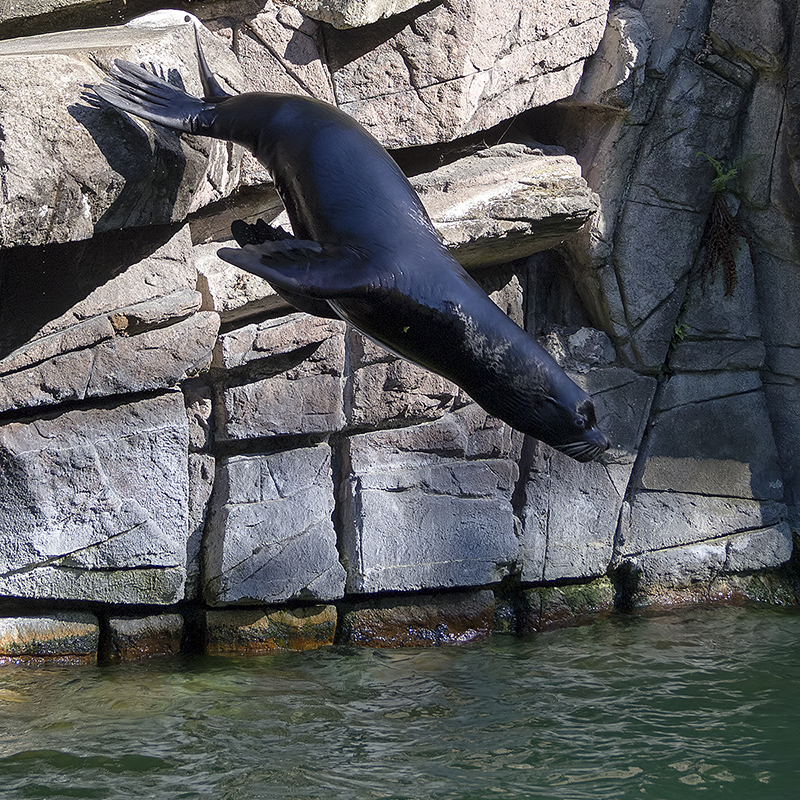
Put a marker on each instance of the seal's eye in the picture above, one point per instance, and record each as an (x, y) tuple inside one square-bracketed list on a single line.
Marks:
[(581, 423)]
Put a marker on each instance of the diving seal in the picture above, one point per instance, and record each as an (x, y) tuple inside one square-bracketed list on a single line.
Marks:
[(364, 250)]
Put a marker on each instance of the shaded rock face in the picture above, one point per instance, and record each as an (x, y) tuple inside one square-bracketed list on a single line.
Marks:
[(171, 431)]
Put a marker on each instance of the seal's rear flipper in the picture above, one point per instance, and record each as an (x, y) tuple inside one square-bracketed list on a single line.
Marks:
[(134, 89), (300, 267), (212, 91)]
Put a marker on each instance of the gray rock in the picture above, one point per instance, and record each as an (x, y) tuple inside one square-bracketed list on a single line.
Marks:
[(784, 403), (569, 518), (54, 297), (743, 552), (233, 293), (385, 389), (721, 446), (417, 515), (201, 483), (291, 378), (93, 504), (155, 359), (461, 67), (353, 13), (504, 203), (71, 170), (570, 510), (278, 51), (697, 111), (270, 537), (616, 70), (658, 520), (756, 35)]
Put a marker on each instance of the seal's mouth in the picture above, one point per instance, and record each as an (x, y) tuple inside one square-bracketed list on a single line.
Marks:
[(584, 451)]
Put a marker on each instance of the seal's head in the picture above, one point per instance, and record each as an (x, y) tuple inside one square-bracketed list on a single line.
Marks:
[(541, 400), (567, 423)]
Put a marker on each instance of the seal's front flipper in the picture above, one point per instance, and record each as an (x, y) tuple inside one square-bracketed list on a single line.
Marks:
[(307, 268)]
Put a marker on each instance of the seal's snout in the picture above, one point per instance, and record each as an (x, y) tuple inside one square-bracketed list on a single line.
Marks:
[(593, 444)]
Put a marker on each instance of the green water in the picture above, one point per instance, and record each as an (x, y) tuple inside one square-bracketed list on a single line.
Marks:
[(666, 707)]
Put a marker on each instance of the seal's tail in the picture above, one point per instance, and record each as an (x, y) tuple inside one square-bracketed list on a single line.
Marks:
[(137, 91)]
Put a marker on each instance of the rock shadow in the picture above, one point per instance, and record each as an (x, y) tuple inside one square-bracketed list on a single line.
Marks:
[(40, 284)]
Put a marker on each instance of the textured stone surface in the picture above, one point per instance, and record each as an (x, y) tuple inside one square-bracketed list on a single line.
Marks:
[(270, 537), (554, 606), (462, 66), (657, 520), (424, 621), (54, 298), (719, 446), (703, 562), (417, 515), (385, 388), (569, 518), (69, 636), (278, 51), (285, 376), (353, 13), (264, 631), (71, 170), (136, 638), (506, 202), (93, 504), (233, 293)]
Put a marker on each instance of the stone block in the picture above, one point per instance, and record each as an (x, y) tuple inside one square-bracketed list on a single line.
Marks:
[(93, 504), (417, 515), (548, 607), (720, 447), (657, 520), (152, 360), (354, 13), (69, 637), (256, 631), (277, 49), (291, 381), (461, 67), (570, 510), (233, 293), (270, 537), (62, 298), (617, 69), (385, 389), (201, 484), (683, 566), (138, 638), (72, 169), (697, 111), (506, 202), (421, 621), (569, 518), (756, 35)]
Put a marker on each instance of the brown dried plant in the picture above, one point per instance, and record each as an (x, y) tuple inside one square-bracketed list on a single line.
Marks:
[(723, 232)]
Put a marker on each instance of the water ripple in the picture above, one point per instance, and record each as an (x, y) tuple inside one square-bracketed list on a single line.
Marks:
[(624, 708)]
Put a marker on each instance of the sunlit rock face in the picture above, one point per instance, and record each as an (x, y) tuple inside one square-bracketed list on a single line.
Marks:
[(174, 434)]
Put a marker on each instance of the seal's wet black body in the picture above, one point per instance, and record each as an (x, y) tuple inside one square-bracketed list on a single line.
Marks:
[(365, 250)]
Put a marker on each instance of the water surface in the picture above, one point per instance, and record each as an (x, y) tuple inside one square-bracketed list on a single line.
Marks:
[(705, 700)]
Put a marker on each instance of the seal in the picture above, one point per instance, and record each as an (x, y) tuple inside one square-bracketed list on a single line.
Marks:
[(364, 250)]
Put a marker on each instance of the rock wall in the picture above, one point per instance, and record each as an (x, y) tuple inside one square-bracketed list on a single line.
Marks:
[(186, 462)]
